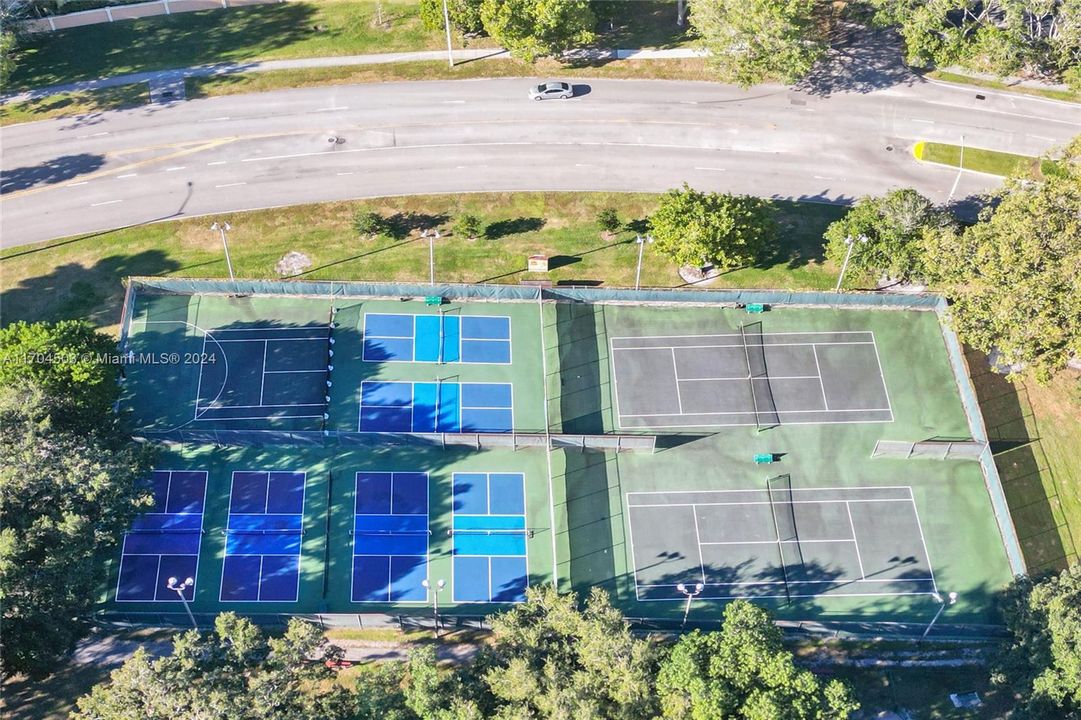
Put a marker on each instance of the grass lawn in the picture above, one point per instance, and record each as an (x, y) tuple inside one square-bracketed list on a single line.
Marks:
[(1067, 95), (279, 31), (78, 103), (81, 276), (993, 162)]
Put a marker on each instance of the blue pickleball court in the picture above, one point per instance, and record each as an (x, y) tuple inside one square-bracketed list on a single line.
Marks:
[(390, 537), (263, 537), (490, 534), (426, 407), (443, 338), (165, 541)]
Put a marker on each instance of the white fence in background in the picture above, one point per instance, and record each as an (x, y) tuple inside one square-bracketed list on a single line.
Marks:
[(115, 13)]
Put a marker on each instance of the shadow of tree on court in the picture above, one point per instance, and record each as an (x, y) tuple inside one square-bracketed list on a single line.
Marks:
[(50, 172), (1031, 488)]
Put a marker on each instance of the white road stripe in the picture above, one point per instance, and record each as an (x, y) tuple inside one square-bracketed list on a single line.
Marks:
[(330, 109), (715, 169), (77, 184), (217, 162), (107, 202), (230, 185), (174, 169), (118, 177)]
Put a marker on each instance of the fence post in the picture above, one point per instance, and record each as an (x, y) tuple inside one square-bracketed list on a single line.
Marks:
[(109, 13), (166, 4)]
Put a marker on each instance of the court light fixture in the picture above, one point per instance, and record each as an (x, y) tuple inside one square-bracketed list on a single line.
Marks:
[(642, 242), (691, 594), (179, 588), (851, 243), (222, 227), (943, 603), (439, 585)]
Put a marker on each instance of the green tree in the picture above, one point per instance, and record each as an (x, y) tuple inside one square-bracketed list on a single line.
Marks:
[(1014, 278), (753, 41), (549, 659), (70, 362), (1042, 661), (234, 672), (743, 671), (468, 225), (608, 220), (464, 15), (727, 231), (532, 29), (1002, 36), (65, 496), (894, 226), (369, 223)]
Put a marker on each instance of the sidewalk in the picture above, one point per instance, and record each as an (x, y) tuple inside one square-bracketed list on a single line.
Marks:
[(173, 79)]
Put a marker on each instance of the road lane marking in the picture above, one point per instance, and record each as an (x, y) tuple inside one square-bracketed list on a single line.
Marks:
[(107, 202), (98, 134), (1012, 114), (230, 185), (77, 184), (710, 168), (121, 177), (174, 169), (215, 119), (330, 109), (454, 102), (346, 173), (217, 162), (920, 120)]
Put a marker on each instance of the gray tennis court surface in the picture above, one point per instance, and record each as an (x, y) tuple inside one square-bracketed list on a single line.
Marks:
[(748, 378), (789, 543)]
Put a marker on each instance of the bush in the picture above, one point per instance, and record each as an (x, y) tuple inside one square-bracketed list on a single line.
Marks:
[(464, 15), (608, 219), (369, 222), (468, 225)]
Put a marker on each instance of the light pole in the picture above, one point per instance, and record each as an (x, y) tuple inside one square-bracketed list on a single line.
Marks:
[(950, 599), (851, 243), (446, 24), (439, 585), (691, 594), (222, 227), (641, 246), (188, 582), (432, 236)]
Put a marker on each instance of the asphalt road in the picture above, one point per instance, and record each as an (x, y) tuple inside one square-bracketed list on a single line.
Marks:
[(203, 157)]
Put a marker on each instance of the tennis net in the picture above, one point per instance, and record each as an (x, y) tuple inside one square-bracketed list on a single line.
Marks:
[(754, 349), (784, 522)]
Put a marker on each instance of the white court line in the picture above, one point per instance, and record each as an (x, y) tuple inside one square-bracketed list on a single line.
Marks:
[(745, 378), (748, 412), (675, 374), (107, 202), (737, 346), (859, 558), (682, 598), (906, 488), (882, 377), (733, 503), (684, 426), (821, 384), (769, 542), (262, 374), (292, 372), (736, 335)]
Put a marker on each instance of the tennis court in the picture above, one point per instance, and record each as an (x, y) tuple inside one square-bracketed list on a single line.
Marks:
[(749, 378), (442, 338), (779, 542)]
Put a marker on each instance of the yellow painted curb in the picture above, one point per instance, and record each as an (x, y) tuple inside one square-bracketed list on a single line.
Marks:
[(917, 150)]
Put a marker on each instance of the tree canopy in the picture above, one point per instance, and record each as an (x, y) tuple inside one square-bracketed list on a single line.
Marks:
[(234, 672), (744, 671), (532, 29), (727, 231), (894, 226), (464, 15), (69, 362), (752, 41), (1001, 36), (1042, 662), (66, 495), (1014, 278)]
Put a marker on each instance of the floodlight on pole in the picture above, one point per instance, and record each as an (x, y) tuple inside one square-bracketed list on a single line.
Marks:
[(222, 227), (179, 588), (691, 595), (851, 243), (642, 241), (446, 24), (943, 602), (439, 585)]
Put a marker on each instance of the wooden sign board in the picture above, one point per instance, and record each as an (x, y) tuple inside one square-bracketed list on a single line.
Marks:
[(538, 263)]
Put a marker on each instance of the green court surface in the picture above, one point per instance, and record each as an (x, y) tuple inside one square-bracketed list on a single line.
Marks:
[(364, 393)]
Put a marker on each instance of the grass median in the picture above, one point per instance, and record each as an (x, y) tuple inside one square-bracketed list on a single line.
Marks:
[(992, 162), (1050, 93), (81, 276)]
